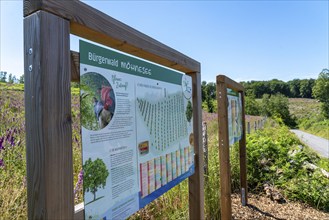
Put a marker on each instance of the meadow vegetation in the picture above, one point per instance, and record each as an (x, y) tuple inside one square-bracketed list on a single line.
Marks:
[(309, 116), (274, 156)]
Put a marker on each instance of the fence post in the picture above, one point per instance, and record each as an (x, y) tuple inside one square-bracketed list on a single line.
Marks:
[(255, 126), (248, 127), (48, 116)]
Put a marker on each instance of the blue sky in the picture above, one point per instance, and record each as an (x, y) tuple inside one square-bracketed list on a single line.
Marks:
[(245, 40)]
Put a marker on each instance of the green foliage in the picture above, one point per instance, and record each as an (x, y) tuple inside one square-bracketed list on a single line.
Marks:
[(321, 91), (208, 92), (14, 87), (315, 125), (294, 89), (13, 193), (309, 117), (277, 106), (294, 86), (212, 187), (252, 107), (95, 174), (276, 156), (189, 111), (3, 76), (306, 88)]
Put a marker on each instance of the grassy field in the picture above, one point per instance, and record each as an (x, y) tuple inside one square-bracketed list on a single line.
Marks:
[(13, 201), (309, 118), (269, 160)]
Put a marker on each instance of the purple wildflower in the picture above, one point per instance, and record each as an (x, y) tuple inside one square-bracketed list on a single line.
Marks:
[(2, 164), (8, 134), (1, 143), (12, 141), (78, 185)]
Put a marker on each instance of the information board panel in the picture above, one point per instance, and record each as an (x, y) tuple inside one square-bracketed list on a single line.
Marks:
[(137, 131), (234, 111)]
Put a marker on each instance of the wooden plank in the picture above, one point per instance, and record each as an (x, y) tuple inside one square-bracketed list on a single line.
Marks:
[(230, 83), (224, 150), (48, 117), (75, 66), (243, 157), (196, 181), (96, 26), (31, 6)]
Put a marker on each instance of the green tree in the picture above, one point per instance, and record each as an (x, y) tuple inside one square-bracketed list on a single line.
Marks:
[(278, 86), (94, 175), (21, 79), (208, 92), (277, 106), (294, 86), (321, 91), (3, 76), (11, 79), (251, 106), (306, 86)]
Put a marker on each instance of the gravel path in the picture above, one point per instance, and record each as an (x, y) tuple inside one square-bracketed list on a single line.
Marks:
[(318, 144)]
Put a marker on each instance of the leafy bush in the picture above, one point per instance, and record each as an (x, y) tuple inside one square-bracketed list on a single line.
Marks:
[(277, 106), (321, 91), (252, 107), (277, 157)]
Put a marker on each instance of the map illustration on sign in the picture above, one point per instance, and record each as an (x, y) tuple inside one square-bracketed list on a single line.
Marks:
[(137, 127)]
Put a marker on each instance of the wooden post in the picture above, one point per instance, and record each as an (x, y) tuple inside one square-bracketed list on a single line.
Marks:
[(248, 127), (48, 116), (255, 126), (243, 158), (224, 152), (196, 181)]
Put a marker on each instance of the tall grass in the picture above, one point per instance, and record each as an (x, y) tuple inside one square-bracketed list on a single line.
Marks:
[(13, 194), (309, 116), (268, 153)]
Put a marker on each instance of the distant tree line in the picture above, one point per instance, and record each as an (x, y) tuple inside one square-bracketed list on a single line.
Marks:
[(297, 88), (10, 78), (273, 96)]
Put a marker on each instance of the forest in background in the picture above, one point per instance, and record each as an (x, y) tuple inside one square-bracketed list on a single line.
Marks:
[(271, 99)]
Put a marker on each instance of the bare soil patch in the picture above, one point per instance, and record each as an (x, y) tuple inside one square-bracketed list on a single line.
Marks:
[(262, 207)]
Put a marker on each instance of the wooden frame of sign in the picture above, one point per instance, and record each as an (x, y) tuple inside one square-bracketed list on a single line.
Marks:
[(223, 83), (49, 66)]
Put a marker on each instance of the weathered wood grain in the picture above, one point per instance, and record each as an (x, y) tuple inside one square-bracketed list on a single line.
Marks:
[(196, 181), (75, 66), (243, 156), (48, 117), (96, 26), (224, 150), (230, 83)]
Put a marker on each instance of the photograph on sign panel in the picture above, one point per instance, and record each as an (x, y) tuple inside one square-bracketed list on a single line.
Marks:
[(97, 101)]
